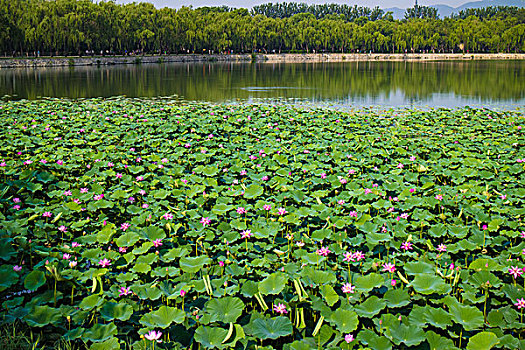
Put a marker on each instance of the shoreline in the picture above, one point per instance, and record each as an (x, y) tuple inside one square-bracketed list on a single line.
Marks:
[(33, 62)]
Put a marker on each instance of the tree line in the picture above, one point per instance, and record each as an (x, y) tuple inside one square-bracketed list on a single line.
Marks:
[(80, 27)]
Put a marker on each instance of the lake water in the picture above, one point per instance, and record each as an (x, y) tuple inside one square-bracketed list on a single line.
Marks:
[(491, 84)]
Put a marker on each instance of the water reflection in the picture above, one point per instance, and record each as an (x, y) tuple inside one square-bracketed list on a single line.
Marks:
[(448, 84)]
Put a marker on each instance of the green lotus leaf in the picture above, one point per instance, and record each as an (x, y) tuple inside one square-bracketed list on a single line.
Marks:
[(373, 340), (418, 267), (73, 206), (345, 321), (127, 239), (110, 344), (6, 249), (34, 280), (90, 302), (120, 311), (147, 292), (329, 294), (100, 332), (270, 328), (119, 194), (437, 342), (210, 170), (273, 284), (370, 307), (153, 233), (397, 298), (485, 265), (163, 317), (193, 264), (318, 277), (211, 337), (410, 336), (429, 283), (468, 316), (221, 208), (483, 341), (368, 282), (226, 309), (253, 191), (41, 316), (8, 277), (105, 235), (437, 317)]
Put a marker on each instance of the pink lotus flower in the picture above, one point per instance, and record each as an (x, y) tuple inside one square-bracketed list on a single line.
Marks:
[(153, 336), (389, 267), (157, 242), (393, 283), (72, 263), (324, 251), (368, 191), (246, 234), (241, 210), (281, 211), (348, 288), (400, 166), (515, 271), (167, 216), (243, 172), (358, 255), (118, 175), (442, 248), (122, 249), (412, 190), (66, 256), (520, 303), (145, 206), (406, 246), (75, 244), (104, 262), (267, 207), (221, 263), (439, 197), (412, 158), (124, 291), (17, 268), (84, 190), (47, 214), (59, 162), (205, 221), (16, 200), (265, 178), (340, 202), (67, 193), (343, 181), (182, 293), (62, 228), (280, 308), (125, 226), (349, 338), (323, 176)]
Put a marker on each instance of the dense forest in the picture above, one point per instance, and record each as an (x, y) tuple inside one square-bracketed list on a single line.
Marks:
[(80, 27)]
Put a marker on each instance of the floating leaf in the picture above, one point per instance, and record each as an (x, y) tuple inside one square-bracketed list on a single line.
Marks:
[(270, 328)]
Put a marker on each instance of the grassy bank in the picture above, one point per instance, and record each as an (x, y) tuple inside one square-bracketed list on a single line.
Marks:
[(32, 62), (127, 222)]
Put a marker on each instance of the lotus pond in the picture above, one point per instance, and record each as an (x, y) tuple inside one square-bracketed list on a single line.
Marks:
[(152, 224)]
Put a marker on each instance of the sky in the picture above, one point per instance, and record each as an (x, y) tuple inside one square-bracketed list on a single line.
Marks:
[(250, 3)]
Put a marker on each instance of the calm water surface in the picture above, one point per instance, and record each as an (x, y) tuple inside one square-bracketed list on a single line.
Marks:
[(348, 84)]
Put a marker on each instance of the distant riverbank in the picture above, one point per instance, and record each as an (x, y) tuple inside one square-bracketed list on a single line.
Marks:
[(270, 58)]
